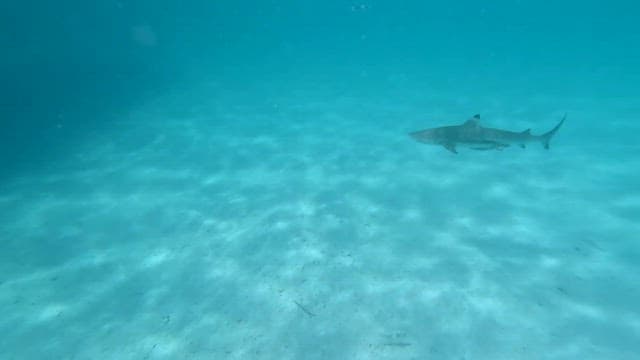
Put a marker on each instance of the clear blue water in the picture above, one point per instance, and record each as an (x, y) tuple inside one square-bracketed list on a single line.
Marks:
[(234, 180)]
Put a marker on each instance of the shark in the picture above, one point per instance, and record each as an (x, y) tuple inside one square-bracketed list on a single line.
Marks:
[(477, 137)]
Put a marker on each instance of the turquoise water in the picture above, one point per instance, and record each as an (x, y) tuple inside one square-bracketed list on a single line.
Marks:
[(234, 180)]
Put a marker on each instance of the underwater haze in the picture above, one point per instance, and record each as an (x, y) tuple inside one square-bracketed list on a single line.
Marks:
[(235, 180)]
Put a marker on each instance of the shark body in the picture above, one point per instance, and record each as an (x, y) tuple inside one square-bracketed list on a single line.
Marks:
[(472, 135)]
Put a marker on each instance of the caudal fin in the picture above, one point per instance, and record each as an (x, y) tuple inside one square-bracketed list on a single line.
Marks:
[(546, 137)]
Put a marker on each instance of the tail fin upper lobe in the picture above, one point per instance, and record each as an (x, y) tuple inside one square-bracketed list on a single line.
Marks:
[(546, 137)]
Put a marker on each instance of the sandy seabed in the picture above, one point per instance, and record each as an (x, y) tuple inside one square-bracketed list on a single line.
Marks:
[(307, 225)]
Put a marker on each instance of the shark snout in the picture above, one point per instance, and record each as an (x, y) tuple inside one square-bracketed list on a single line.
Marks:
[(424, 136)]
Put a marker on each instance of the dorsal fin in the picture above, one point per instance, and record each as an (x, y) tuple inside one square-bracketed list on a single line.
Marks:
[(526, 132), (474, 121)]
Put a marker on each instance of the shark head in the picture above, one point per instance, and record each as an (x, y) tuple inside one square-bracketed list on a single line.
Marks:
[(429, 136), (446, 134)]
